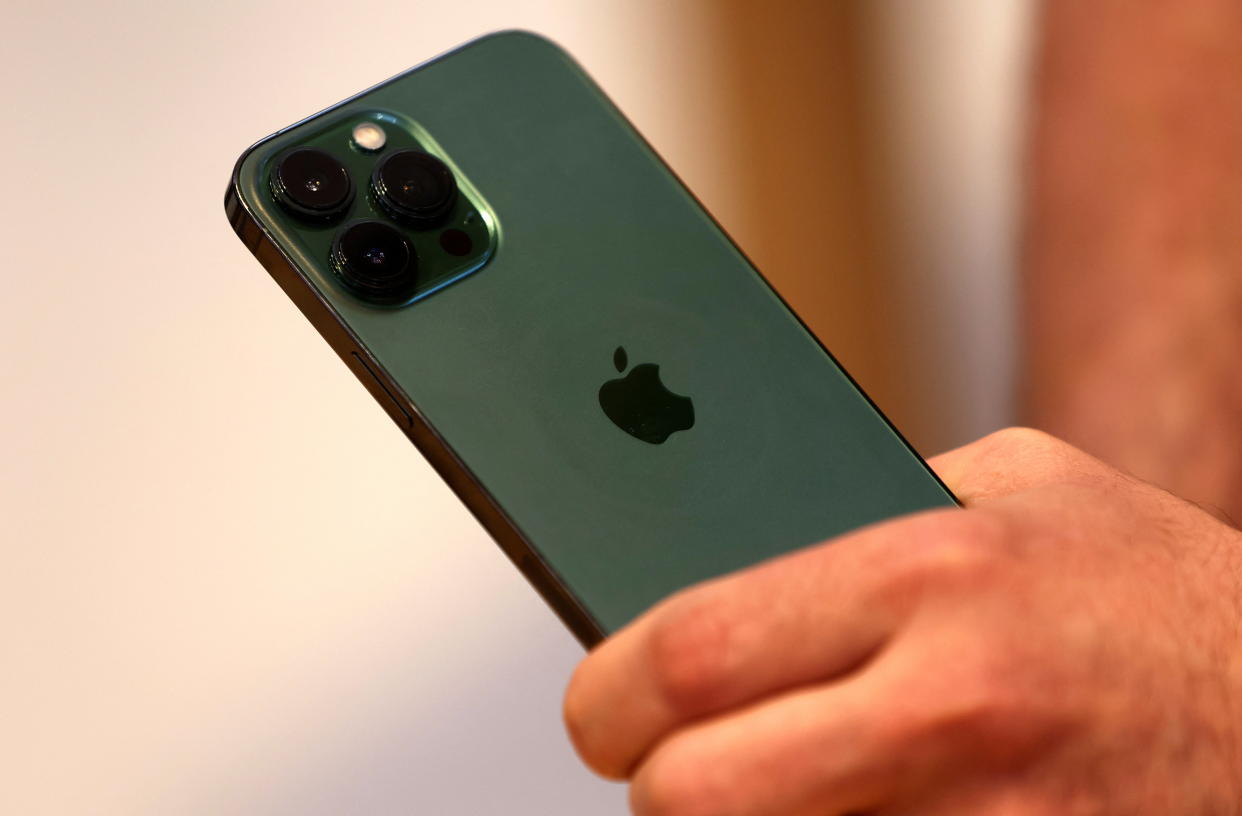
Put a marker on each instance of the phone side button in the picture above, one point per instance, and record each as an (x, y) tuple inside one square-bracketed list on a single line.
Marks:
[(381, 392)]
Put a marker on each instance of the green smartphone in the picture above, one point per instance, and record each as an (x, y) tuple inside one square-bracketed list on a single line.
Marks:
[(558, 325)]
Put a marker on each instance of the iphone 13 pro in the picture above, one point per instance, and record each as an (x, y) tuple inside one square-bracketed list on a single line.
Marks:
[(560, 328)]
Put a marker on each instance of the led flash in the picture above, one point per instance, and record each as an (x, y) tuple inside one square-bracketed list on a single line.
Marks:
[(369, 136)]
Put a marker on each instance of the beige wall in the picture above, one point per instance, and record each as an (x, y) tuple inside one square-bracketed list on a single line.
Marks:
[(201, 611)]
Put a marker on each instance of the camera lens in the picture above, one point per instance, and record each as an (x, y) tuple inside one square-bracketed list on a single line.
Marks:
[(312, 184), (375, 260), (414, 187)]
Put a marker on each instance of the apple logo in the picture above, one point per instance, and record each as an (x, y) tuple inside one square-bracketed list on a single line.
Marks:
[(640, 405)]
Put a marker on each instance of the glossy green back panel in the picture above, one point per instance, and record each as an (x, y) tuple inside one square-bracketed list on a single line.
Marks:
[(599, 247)]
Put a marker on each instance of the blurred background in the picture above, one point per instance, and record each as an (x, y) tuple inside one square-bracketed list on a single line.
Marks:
[(202, 611)]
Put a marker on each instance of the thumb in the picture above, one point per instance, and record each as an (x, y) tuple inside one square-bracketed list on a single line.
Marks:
[(1007, 462)]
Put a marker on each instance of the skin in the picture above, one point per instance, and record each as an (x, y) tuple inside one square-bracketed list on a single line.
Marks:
[(1133, 252), (1069, 644)]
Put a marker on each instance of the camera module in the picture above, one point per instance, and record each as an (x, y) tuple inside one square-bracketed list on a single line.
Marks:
[(312, 184), (414, 187), (375, 260)]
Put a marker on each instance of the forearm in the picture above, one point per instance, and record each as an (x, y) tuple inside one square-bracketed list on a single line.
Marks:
[(1133, 279)]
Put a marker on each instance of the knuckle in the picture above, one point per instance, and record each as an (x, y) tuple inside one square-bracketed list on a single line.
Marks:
[(690, 647), (954, 551), (1037, 450), (1021, 438), (986, 711), (980, 712)]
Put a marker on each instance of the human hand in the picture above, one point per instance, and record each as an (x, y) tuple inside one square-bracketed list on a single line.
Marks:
[(1069, 644)]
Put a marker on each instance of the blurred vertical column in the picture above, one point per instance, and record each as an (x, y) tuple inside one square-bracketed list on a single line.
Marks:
[(946, 94), (870, 161), (791, 186)]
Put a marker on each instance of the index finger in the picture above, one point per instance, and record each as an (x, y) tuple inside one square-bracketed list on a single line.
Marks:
[(810, 616)]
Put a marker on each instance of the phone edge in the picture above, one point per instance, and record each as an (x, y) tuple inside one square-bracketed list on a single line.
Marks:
[(444, 460)]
